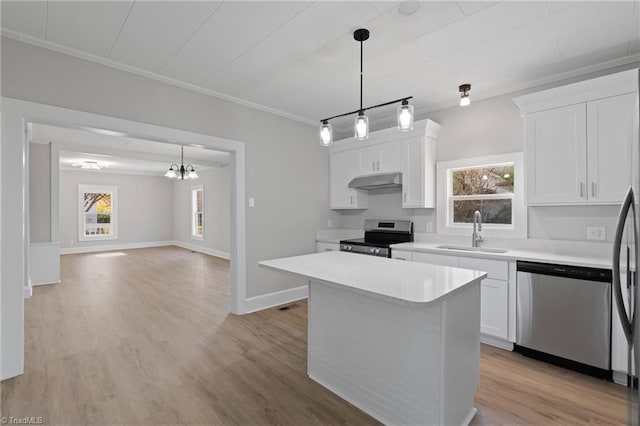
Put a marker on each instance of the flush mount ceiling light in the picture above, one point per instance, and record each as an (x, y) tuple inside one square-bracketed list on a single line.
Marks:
[(464, 90), (90, 165), (181, 172), (361, 128)]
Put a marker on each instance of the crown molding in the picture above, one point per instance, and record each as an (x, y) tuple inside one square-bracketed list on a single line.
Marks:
[(148, 74)]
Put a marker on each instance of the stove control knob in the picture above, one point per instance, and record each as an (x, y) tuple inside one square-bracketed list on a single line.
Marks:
[(377, 251), (372, 250), (349, 248)]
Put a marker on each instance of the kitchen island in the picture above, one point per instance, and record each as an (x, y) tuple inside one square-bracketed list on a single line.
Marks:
[(399, 340)]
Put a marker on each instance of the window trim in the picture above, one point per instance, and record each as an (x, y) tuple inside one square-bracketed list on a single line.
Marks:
[(444, 206), (82, 189), (195, 236)]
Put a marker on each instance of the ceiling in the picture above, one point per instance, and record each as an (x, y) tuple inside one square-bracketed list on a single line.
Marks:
[(123, 154), (300, 59)]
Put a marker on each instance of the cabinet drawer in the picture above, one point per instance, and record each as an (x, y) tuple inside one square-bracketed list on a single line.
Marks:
[(435, 259), (402, 255), (495, 269)]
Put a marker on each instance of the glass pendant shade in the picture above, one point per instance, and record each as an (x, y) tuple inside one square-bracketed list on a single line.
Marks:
[(192, 175), (464, 90), (171, 174), (405, 117), (362, 127), (326, 134)]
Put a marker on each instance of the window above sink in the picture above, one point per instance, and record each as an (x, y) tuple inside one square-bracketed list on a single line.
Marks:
[(492, 185)]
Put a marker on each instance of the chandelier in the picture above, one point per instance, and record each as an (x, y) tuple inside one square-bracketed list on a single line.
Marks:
[(181, 172), (361, 130)]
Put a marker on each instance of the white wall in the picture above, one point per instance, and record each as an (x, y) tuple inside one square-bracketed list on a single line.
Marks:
[(287, 170), (489, 127), (144, 207), (39, 193), (216, 210)]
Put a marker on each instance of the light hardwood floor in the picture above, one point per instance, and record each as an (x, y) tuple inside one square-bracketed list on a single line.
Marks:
[(144, 337)]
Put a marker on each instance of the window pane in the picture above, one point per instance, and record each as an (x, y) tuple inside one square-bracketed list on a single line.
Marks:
[(492, 211), (483, 180), (97, 213), (199, 200)]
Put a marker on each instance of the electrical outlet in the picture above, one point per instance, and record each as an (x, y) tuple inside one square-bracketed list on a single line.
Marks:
[(596, 233), (429, 227), (252, 202)]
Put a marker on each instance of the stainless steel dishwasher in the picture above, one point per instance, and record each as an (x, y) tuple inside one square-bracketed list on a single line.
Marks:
[(564, 315)]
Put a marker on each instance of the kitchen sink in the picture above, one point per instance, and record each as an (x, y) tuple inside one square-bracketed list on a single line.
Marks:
[(480, 249)]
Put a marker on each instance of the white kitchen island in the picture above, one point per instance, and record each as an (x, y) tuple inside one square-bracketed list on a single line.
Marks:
[(399, 340)]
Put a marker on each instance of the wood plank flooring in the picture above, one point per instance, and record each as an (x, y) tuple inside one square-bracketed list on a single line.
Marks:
[(144, 337)]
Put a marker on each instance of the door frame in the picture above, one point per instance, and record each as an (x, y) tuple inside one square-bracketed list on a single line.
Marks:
[(14, 225)]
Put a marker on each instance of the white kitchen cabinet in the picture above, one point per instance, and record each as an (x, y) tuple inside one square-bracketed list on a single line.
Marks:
[(556, 155), (579, 140), (401, 255), (494, 311), (435, 259), (380, 158), (342, 169), (610, 137), (322, 247), (418, 172)]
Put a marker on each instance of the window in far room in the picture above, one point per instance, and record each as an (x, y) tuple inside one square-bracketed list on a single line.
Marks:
[(97, 213), (197, 213)]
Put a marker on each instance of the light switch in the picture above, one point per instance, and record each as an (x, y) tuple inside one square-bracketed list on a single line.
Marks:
[(252, 202), (596, 233)]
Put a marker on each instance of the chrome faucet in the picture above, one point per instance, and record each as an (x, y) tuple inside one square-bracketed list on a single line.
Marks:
[(477, 227)]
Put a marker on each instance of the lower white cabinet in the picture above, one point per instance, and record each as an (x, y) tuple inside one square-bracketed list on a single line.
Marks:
[(494, 310), (321, 247)]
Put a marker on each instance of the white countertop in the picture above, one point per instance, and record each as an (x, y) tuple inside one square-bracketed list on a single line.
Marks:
[(404, 281), (511, 254)]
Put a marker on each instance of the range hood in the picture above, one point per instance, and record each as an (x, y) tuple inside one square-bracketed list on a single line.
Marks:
[(386, 180)]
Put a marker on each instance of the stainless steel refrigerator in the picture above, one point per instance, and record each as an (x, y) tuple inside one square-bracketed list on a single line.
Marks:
[(626, 257)]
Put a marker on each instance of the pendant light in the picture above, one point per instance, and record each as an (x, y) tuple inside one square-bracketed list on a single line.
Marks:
[(464, 90), (181, 172), (361, 123)]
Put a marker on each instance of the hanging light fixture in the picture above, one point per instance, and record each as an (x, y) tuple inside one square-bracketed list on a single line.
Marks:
[(361, 125), (464, 90), (181, 172)]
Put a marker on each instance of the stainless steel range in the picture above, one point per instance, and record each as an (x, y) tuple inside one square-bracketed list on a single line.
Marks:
[(378, 236)]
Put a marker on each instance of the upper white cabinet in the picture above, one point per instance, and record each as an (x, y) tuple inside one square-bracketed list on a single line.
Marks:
[(342, 168), (579, 140), (610, 138), (387, 151), (382, 158), (418, 172)]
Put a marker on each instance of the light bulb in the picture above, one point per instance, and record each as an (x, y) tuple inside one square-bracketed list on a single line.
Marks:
[(464, 90), (362, 127), (405, 116), (326, 134)]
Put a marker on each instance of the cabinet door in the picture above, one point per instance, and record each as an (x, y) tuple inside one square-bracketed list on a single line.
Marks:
[(494, 318), (556, 156), (413, 182), (610, 135), (390, 157), (342, 166), (368, 159)]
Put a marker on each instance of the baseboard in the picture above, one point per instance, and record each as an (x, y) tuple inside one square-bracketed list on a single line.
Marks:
[(494, 341), (270, 300), (112, 247), (37, 284), (201, 249), (28, 292)]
